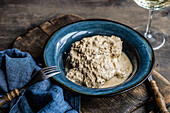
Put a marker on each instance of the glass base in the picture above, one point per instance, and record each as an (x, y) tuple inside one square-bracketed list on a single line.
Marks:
[(156, 38)]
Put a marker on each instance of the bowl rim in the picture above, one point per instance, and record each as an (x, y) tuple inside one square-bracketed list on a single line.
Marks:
[(111, 93)]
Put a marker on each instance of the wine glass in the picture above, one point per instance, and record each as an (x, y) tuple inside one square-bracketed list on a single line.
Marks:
[(153, 35)]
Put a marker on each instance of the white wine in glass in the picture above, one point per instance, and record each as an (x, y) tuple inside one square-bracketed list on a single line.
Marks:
[(154, 36)]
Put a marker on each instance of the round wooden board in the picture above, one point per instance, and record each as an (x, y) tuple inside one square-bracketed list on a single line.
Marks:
[(33, 42)]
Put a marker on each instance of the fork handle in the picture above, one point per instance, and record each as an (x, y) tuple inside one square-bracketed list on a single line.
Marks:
[(8, 97), (158, 97)]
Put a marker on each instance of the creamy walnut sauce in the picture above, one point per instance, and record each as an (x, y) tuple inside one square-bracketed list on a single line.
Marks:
[(98, 62)]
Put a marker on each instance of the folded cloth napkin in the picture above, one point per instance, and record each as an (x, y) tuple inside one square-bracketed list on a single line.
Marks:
[(16, 69)]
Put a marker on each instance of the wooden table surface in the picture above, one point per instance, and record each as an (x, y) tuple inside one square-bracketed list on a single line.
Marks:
[(17, 17)]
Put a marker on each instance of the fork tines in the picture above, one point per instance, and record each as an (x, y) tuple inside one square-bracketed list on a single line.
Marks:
[(50, 71), (50, 67)]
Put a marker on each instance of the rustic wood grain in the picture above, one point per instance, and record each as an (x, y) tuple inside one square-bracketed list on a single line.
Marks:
[(127, 102), (131, 101), (19, 16), (55, 23), (34, 41)]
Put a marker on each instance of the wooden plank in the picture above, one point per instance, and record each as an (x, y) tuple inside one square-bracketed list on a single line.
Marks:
[(64, 20), (32, 42), (126, 101), (54, 24), (140, 97), (48, 28)]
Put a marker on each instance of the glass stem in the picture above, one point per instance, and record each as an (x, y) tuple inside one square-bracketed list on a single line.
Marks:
[(147, 32)]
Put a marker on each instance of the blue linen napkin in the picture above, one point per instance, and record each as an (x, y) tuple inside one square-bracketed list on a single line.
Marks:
[(16, 69)]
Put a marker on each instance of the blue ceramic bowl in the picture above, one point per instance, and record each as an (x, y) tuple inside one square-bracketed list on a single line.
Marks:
[(135, 46)]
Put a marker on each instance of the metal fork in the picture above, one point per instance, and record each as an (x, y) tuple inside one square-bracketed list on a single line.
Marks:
[(41, 75)]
